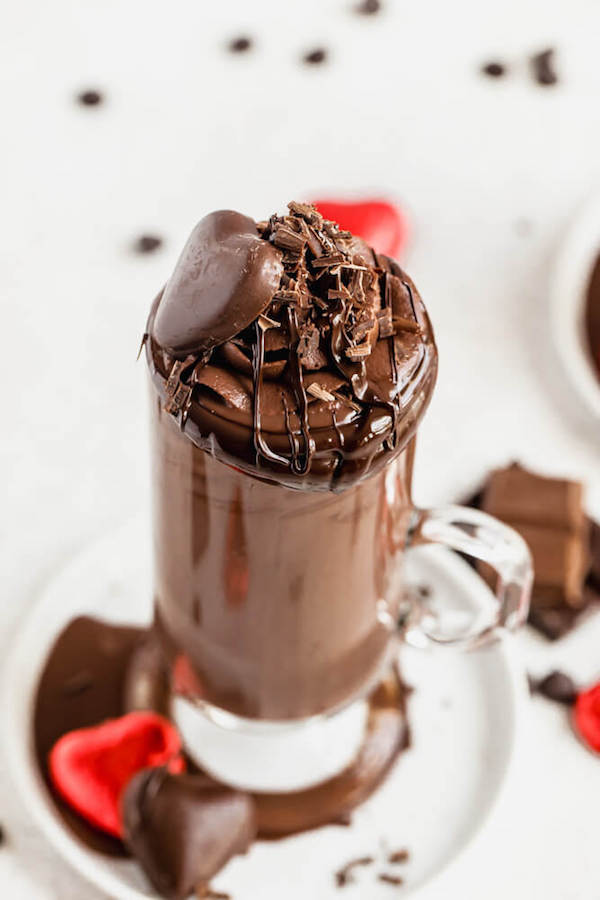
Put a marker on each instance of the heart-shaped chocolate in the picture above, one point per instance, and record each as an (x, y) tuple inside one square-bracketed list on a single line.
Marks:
[(225, 277), (377, 221), (90, 767), (183, 828)]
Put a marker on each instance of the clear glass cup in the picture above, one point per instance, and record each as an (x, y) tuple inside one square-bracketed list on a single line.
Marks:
[(279, 605)]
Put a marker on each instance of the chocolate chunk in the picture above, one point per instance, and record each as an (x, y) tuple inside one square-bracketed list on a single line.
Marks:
[(146, 683), (240, 44), (90, 98), (542, 65), (556, 686), (147, 243), (184, 828), (368, 7), (548, 513), (345, 875), (2, 836), (315, 57), (493, 69), (225, 278), (515, 494)]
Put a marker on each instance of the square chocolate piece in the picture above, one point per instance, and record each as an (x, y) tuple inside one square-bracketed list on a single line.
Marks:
[(564, 543)]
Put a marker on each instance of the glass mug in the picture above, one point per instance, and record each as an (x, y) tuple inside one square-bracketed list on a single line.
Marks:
[(280, 609)]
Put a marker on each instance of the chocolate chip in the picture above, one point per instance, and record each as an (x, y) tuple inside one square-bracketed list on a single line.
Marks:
[(368, 7), (399, 856), (90, 98), (240, 44), (345, 875), (315, 57), (556, 686), (390, 879), (542, 65), (493, 69), (147, 243)]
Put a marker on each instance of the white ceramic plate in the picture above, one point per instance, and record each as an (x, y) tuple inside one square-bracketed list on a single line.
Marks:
[(573, 269), (464, 715)]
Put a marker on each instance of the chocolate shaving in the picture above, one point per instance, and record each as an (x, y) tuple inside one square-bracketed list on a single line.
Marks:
[(345, 875), (287, 239), (334, 259), (385, 323), (387, 878), (357, 353), (402, 324), (265, 322), (347, 400), (320, 393), (361, 329)]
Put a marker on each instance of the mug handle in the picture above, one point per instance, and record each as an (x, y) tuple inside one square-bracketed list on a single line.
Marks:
[(481, 536)]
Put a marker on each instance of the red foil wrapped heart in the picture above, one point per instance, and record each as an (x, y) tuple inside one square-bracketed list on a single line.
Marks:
[(586, 717), (377, 221), (90, 767)]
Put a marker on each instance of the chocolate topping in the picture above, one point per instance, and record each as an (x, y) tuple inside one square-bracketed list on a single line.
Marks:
[(255, 316), (225, 277), (184, 828)]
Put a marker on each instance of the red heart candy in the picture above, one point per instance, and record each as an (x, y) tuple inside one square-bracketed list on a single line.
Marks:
[(586, 717), (90, 767), (376, 221)]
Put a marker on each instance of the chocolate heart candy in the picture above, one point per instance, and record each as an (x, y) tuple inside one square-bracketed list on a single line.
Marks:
[(183, 829), (225, 277)]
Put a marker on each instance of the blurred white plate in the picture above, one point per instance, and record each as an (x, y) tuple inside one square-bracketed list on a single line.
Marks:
[(573, 270), (463, 714)]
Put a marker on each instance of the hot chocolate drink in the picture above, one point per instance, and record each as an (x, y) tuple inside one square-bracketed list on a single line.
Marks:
[(290, 366)]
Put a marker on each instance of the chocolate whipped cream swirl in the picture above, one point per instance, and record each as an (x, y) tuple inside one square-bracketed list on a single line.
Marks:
[(290, 349)]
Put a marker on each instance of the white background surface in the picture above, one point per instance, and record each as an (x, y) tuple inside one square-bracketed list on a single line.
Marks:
[(400, 109)]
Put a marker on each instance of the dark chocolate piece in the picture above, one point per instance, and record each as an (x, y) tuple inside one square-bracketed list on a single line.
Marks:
[(556, 686), (2, 836), (182, 829), (240, 44), (549, 514), (90, 98), (542, 65), (493, 69), (515, 496), (225, 278), (345, 875), (147, 243), (146, 683), (315, 57)]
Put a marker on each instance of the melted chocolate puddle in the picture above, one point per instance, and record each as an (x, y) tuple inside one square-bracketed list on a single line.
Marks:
[(97, 671)]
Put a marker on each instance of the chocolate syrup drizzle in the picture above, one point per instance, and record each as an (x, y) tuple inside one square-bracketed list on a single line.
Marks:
[(330, 378)]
